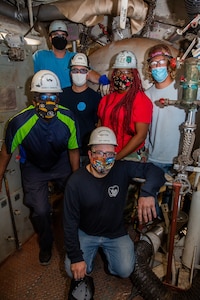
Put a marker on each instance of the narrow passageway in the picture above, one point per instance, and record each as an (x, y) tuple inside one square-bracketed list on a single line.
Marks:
[(22, 277)]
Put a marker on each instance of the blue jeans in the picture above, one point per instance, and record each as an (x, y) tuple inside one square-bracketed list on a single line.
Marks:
[(165, 167), (118, 251)]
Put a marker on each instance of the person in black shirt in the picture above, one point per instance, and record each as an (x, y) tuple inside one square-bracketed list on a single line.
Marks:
[(94, 202), (82, 100)]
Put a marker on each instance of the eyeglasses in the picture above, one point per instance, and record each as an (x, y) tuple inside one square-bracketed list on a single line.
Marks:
[(155, 63), (119, 73), (76, 71), (44, 97), (63, 36), (107, 154)]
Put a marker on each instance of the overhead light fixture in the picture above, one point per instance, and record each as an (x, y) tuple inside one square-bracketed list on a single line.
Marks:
[(32, 42)]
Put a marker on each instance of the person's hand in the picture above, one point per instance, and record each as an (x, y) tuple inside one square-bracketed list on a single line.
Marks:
[(146, 209), (144, 155), (104, 85), (104, 89), (79, 270)]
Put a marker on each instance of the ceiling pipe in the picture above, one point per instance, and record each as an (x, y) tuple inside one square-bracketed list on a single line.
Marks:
[(30, 10), (43, 12), (11, 25), (8, 10), (192, 8), (87, 12)]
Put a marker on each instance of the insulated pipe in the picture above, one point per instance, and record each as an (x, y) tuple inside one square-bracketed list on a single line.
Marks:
[(8, 10), (192, 240), (150, 286), (12, 25), (44, 12), (192, 8), (88, 12)]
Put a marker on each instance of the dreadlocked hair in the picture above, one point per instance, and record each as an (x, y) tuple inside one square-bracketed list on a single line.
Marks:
[(126, 104)]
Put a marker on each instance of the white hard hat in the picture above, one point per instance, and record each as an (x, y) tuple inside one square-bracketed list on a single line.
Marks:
[(57, 25), (102, 136), (125, 59), (45, 81), (80, 59)]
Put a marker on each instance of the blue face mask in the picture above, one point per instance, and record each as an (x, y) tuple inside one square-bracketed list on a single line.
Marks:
[(159, 74)]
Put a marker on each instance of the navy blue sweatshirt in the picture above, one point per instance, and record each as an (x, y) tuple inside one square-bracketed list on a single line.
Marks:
[(96, 205)]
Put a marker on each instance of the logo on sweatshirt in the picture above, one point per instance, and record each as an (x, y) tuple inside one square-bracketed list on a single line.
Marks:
[(113, 190)]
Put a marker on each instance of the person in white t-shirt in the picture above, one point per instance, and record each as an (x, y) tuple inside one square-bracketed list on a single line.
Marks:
[(163, 139)]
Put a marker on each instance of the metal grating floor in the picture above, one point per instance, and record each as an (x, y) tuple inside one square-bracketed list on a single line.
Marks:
[(22, 277)]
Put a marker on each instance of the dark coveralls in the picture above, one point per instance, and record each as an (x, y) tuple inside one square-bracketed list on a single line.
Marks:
[(43, 158)]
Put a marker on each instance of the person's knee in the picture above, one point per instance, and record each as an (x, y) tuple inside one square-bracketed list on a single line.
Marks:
[(125, 271), (124, 268)]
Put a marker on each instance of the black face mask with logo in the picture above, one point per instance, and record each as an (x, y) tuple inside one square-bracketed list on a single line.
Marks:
[(47, 109), (59, 42)]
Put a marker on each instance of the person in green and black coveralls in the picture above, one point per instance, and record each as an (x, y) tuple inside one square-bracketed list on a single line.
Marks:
[(49, 140)]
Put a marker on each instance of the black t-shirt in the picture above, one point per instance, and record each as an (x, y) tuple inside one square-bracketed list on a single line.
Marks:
[(84, 105)]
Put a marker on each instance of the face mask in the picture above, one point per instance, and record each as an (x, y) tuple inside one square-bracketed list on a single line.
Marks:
[(59, 43), (159, 74), (47, 110), (103, 165), (79, 79), (122, 83)]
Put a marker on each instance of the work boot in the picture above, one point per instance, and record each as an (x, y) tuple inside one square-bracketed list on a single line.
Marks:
[(45, 257)]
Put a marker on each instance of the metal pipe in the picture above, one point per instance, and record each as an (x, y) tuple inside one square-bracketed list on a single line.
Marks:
[(8, 10), (44, 12), (74, 46), (30, 10), (192, 8), (176, 187), (18, 244)]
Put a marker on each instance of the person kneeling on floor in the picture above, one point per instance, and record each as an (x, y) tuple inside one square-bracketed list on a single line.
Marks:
[(94, 203)]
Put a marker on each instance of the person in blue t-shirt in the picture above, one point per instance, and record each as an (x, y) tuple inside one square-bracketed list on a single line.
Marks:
[(58, 58), (49, 140)]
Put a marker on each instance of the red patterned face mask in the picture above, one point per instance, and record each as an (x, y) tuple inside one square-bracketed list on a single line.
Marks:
[(122, 82)]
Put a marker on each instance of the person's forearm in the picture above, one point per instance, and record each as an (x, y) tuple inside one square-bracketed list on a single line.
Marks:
[(131, 147), (155, 179), (93, 76), (74, 157), (141, 130)]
